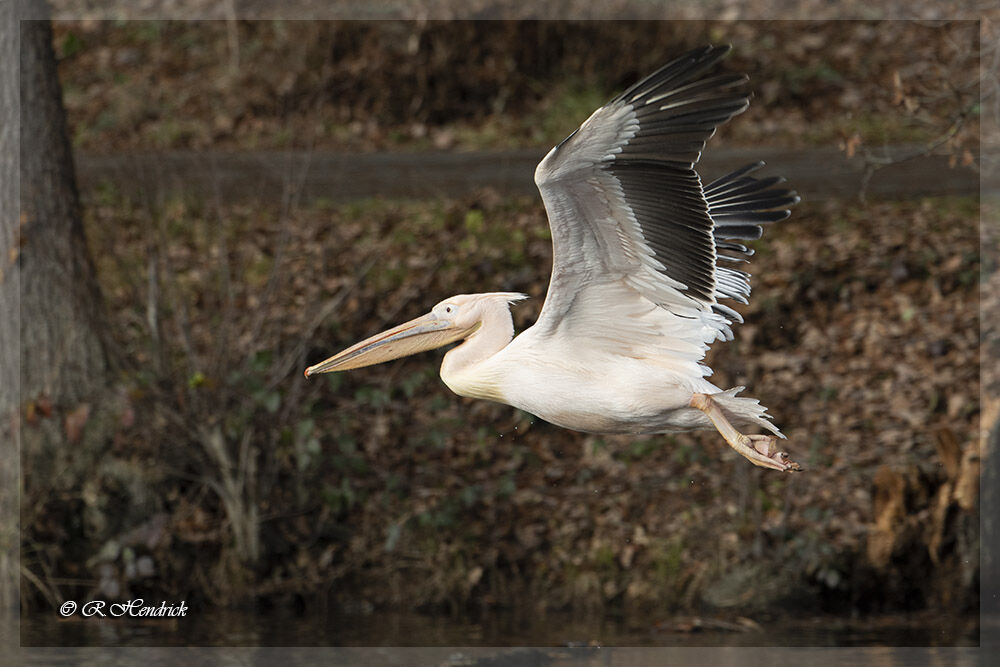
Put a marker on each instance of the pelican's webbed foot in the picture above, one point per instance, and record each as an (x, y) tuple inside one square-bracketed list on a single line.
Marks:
[(760, 450)]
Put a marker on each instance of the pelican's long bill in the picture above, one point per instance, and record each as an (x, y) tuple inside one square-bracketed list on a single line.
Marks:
[(424, 333)]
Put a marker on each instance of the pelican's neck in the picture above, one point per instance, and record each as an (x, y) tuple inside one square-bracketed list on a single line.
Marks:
[(459, 367), (496, 330)]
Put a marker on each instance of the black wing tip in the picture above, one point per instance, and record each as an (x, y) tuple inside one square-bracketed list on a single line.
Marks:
[(702, 57), (712, 54), (740, 181), (716, 50), (742, 171), (704, 52), (692, 62)]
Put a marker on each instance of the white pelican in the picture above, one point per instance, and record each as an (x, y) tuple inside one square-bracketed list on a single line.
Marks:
[(637, 275)]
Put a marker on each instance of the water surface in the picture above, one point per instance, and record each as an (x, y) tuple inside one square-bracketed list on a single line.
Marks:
[(236, 628)]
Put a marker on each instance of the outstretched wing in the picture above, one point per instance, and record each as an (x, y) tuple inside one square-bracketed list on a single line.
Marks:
[(634, 240)]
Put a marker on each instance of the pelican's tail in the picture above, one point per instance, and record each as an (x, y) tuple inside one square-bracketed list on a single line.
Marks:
[(744, 410)]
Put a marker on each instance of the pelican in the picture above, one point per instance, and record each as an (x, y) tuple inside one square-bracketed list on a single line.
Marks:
[(642, 256)]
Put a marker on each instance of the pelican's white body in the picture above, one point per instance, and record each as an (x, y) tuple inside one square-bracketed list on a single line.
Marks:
[(584, 383), (584, 389)]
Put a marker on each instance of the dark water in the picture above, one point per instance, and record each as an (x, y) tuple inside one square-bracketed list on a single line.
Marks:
[(412, 639), (232, 628)]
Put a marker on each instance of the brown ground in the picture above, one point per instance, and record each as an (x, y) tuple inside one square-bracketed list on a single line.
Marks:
[(439, 85)]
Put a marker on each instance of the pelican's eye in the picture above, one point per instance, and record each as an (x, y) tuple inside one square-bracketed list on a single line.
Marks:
[(448, 309)]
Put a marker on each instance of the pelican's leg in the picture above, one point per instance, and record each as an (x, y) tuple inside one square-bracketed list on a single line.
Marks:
[(759, 449)]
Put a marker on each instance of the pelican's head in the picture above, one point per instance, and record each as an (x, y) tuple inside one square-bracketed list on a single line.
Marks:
[(453, 319)]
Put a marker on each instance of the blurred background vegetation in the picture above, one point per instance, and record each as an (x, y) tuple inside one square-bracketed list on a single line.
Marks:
[(221, 476)]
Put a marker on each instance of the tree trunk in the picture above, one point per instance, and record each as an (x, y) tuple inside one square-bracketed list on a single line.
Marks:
[(63, 355), (53, 357)]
